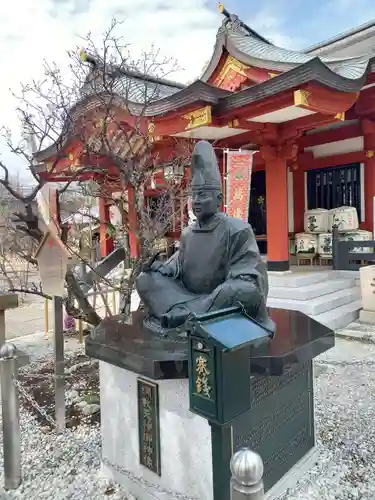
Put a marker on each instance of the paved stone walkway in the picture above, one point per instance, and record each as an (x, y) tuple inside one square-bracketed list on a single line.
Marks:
[(358, 331), (27, 319)]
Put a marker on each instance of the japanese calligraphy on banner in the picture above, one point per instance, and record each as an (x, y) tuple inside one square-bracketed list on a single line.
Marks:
[(238, 167)]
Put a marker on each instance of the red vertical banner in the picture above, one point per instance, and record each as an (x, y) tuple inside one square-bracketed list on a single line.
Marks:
[(238, 182)]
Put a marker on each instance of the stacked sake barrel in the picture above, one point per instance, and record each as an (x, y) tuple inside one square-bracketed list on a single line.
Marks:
[(317, 238)]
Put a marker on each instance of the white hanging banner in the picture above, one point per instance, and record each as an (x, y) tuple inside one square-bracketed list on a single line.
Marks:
[(239, 166)]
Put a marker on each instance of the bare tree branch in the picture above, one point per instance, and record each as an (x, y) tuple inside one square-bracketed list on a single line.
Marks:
[(91, 127)]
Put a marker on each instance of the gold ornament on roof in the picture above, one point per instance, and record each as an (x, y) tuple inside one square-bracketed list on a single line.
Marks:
[(151, 128), (83, 55)]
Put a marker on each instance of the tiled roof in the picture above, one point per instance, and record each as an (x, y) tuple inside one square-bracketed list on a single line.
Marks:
[(132, 85), (152, 96), (249, 48), (342, 36)]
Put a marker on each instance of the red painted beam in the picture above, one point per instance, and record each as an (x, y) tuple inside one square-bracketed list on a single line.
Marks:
[(328, 101), (334, 160), (241, 123), (370, 79), (333, 135), (268, 105), (259, 75)]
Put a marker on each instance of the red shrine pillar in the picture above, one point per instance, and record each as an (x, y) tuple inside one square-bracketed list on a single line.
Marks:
[(132, 215), (369, 145), (275, 158), (106, 242)]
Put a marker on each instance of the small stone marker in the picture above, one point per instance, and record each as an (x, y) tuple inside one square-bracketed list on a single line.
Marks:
[(7, 301)]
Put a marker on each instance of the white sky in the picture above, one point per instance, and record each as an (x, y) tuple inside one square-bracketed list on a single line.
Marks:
[(33, 31), (36, 30)]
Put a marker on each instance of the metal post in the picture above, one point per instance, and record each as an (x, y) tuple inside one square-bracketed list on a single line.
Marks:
[(11, 417), (2, 327), (83, 271), (247, 471), (114, 308), (335, 248), (59, 363), (80, 331), (46, 318)]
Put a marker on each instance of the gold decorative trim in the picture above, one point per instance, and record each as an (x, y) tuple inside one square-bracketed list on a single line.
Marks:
[(340, 116), (272, 75), (221, 7), (233, 123), (202, 383), (151, 128), (370, 154), (231, 64), (76, 165), (301, 97), (198, 118)]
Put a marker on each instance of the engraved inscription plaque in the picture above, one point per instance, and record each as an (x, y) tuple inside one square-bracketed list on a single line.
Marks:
[(280, 424), (149, 425)]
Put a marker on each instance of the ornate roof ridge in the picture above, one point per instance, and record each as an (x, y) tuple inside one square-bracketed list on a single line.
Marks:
[(118, 71), (251, 49), (234, 22)]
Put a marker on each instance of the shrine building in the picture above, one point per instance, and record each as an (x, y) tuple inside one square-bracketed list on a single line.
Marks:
[(308, 116)]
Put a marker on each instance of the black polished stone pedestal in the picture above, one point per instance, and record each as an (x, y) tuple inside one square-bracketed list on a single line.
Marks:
[(279, 426), (279, 421), (129, 346)]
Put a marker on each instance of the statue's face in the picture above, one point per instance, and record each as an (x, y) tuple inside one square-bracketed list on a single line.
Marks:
[(206, 203)]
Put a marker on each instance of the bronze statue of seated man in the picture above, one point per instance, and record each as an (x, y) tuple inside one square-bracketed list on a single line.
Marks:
[(217, 265)]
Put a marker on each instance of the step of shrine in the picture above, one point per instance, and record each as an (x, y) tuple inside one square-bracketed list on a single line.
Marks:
[(330, 297)]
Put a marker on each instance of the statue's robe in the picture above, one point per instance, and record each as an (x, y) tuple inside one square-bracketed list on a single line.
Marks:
[(217, 265)]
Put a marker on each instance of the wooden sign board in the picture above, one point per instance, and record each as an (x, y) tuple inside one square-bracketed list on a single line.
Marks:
[(53, 259)]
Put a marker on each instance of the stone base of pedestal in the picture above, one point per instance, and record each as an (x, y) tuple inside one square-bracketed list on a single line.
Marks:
[(185, 439), (290, 479), (367, 316), (157, 449)]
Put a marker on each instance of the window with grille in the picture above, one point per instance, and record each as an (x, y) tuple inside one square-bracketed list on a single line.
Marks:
[(334, 187)]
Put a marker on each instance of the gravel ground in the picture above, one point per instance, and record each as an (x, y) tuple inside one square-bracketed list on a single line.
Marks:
[(67, 467), (345, 413), (58, 467)]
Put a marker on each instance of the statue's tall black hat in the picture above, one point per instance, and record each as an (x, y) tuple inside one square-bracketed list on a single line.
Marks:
[(205, 173)]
